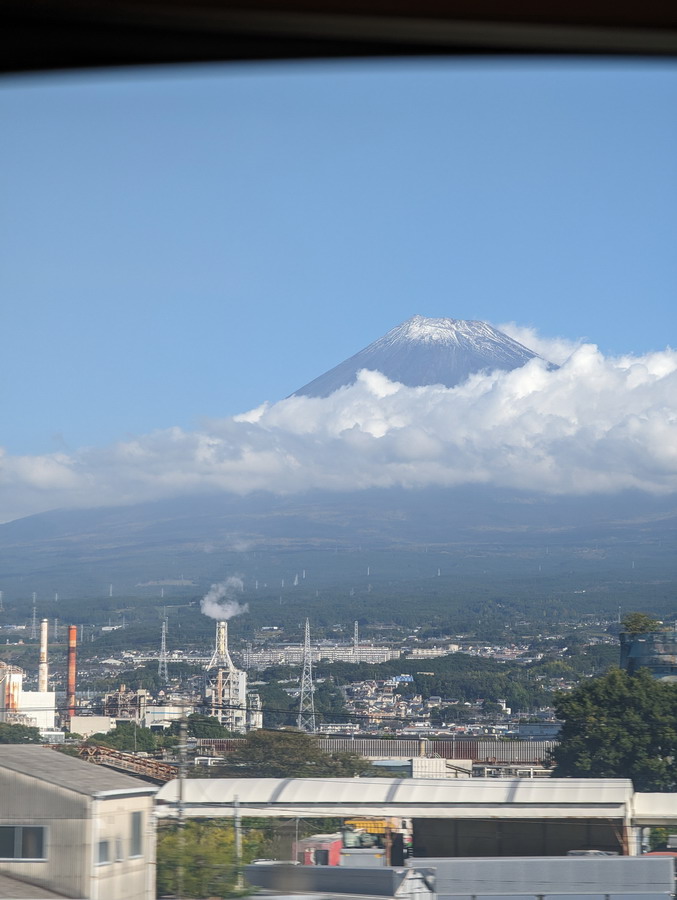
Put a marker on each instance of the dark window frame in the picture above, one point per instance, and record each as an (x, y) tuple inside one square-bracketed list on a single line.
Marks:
[(103, 842), (136, 835), (22, 835)]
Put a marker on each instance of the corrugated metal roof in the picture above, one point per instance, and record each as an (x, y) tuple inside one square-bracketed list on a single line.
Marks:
[(477, 749), (65, 771), (504, 797)]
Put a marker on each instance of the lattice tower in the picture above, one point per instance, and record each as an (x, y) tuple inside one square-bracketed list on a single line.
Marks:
[(163, 674), (306, 718), (221, 657)]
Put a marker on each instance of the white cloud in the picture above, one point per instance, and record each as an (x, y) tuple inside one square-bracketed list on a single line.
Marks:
[(595, 424), (556, 350)]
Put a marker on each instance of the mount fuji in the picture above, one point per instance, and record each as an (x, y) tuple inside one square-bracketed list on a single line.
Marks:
[(424, 351), (468, 529)]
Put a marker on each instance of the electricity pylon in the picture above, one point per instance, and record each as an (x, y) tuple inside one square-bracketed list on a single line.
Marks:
[(306, 718), (162, 660)]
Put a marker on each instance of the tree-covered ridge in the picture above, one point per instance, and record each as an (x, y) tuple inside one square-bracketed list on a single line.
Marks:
[(620, 726)]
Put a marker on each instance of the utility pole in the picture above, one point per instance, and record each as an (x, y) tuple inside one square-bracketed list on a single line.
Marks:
[(237, 822), (182, 748), (306, 717)]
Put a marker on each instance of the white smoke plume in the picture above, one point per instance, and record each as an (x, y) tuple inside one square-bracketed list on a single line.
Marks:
[(595, 425), (220, 600)]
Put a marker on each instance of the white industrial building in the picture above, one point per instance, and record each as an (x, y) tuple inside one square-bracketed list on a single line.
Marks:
[(33, 708), (18, 707), (68, 828), (293, 655), (38, 708), (86, 726)]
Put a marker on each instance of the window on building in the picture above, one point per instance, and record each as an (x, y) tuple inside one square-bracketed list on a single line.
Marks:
[(136, 848), (104, 853), (22, 842), (119, 854)]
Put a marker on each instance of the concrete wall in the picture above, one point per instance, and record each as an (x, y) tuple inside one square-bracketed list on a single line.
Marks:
[(88, 725), (125, 876), (577, 875)]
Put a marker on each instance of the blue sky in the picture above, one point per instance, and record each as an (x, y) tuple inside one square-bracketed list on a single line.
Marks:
[(184, 244)]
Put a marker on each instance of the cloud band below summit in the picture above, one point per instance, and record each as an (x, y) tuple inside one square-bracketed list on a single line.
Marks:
[(593, 425)]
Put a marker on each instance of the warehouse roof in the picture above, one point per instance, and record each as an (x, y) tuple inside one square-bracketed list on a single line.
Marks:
[(67, 772), (418, 797)]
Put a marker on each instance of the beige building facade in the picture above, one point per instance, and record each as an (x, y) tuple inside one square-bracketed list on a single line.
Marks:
[(74, 828)]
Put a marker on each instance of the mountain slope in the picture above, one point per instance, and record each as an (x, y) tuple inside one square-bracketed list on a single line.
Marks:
[(424, 351), (526, 537)]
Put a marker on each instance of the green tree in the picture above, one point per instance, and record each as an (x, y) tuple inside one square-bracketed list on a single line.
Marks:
[(288, 754), (130, 738), (620, 726), (658, 838), (18, 734), (206, 850), (640, 623)]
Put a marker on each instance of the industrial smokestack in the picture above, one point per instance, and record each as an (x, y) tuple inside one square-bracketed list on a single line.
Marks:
[(43, 673), (72, 669)]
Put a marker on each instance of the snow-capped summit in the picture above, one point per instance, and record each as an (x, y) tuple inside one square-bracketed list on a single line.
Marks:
[(427, 351)]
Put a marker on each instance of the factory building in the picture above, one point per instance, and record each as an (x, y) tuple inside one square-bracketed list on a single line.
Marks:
[(125, 704), (292, 655), (34, 708), (226, 689), (11, 689)]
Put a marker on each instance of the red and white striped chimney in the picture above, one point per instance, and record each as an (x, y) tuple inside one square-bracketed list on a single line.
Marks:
[(72, 669)]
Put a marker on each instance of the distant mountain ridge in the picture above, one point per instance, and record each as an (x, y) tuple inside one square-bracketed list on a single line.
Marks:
[(79, 551), (424, 351)]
